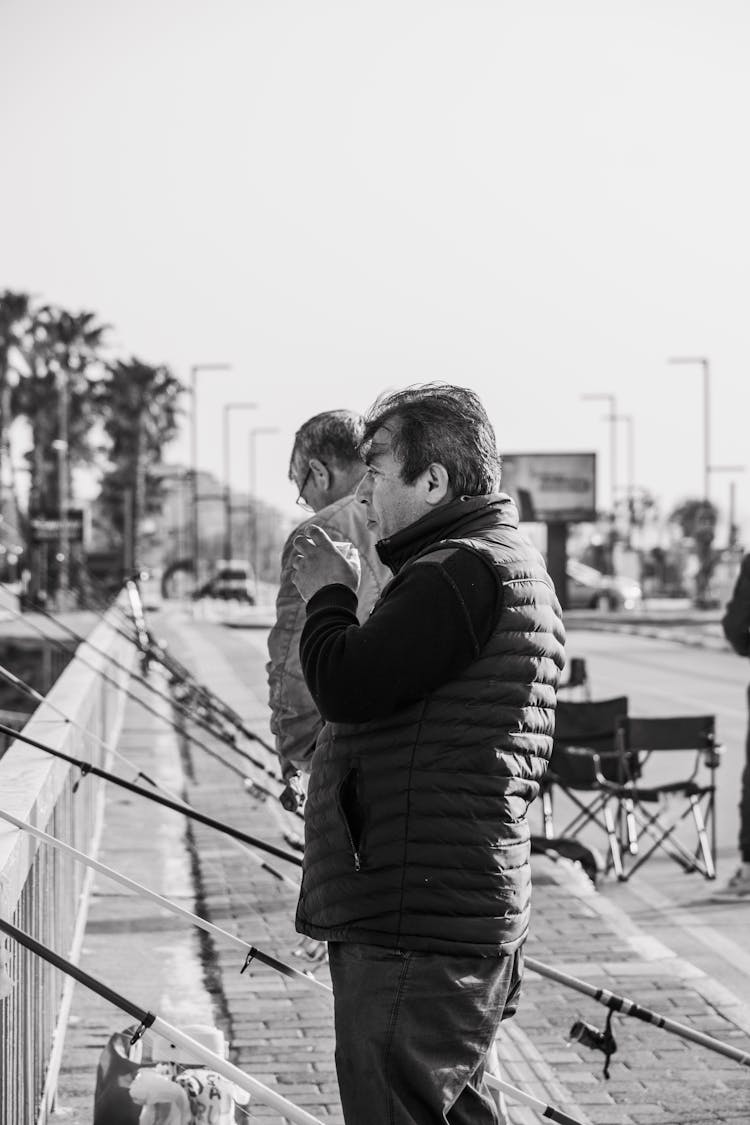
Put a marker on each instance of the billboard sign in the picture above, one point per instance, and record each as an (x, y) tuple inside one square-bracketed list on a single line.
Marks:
[(551, 487)]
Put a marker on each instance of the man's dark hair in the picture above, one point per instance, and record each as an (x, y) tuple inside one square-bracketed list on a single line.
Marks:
[(438, 422), (333, 436)]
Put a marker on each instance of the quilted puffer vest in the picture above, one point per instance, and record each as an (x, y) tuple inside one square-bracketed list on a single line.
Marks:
[(416, 834)]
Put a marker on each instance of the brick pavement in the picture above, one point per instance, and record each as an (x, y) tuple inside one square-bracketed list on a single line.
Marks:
[(144, 953), (281, 1032)]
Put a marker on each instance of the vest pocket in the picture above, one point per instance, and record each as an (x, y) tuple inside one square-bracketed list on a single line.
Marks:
[(347, 799)]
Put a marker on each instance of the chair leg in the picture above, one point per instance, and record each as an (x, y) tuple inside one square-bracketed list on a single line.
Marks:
[(652, 827), (708, 860), (631, 828), (549, 827), (614, 843)]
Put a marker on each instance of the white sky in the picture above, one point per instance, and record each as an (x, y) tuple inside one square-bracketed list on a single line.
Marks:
[(538, 199)]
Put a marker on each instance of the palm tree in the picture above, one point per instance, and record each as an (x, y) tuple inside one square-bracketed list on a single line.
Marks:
[(62, 351), (15, 317), (139, 403), (697, 520)]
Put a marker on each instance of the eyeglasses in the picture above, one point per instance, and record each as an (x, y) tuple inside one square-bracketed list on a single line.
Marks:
[(300, 498)]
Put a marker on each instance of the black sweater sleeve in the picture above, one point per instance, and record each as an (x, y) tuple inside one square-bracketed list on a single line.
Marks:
[(436, 616)]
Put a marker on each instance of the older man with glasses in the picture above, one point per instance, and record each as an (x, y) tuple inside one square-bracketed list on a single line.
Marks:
[(326, 468)]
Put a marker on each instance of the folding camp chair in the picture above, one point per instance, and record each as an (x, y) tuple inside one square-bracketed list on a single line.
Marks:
[(586, 766), (644, 741)]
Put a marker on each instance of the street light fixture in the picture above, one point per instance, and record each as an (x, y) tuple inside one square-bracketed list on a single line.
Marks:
[(612, 418), (252, 436), (194, 372), (227, 462), (706, 414)]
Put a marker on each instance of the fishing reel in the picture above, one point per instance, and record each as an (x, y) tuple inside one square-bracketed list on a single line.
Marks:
[(594, 1039)]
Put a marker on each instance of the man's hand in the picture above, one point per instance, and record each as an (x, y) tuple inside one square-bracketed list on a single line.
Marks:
[(292, 797), (317, 562)]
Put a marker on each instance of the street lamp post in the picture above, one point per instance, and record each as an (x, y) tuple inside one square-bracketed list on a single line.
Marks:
[(706, 414), (61, 446), (229, 406), (630, 447), (612, 418), (252, 436), (194, 371), (732, 533)]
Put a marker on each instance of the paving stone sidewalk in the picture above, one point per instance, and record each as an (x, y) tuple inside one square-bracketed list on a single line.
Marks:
[(280, 1030)]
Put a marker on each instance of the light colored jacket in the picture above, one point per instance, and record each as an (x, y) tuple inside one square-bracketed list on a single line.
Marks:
[(295, 721)]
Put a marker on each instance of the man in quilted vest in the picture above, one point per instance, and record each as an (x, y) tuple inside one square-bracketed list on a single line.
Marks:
[(326, 468), (439, 716)]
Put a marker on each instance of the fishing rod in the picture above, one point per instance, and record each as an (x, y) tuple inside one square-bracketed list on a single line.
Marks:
[(149, 1021), (188, 811), (544, 1110), (618, 1004), (27, 689), (179, 705), (214, 701), (207, 702), (143, 703), (592, 1037), (200, 720), (251, 952), (145, 640), (139, 679), (181, 671), (10, 678)]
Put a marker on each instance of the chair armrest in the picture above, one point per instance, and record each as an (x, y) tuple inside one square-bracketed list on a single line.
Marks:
[(713, 755), (595, 758)]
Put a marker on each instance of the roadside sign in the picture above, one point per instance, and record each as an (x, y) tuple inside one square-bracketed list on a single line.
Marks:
[(551, 487), (48, 529)]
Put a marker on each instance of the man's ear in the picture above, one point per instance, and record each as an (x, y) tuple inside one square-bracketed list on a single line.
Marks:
[(321, 473), (437, 487)]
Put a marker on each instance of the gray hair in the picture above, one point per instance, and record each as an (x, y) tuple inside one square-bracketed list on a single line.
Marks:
[(333, 436), (439, 423)]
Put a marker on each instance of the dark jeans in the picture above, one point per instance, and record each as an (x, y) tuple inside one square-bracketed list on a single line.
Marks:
[(745, 796), (413, 1030)]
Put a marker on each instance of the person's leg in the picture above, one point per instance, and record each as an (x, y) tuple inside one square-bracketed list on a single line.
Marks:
[(737, 889), (412, 1033), (745, 796)]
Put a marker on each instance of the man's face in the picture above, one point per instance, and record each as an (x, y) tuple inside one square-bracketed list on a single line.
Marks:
[(391, 504)]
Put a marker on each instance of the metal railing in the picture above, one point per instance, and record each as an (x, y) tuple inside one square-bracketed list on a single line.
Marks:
[(43, 891)]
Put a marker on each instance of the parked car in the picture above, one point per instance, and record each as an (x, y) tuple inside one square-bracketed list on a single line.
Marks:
[(231, 582), (590, 589)]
